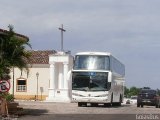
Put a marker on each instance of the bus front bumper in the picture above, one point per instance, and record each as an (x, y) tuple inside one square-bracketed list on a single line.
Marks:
[(91, 99)]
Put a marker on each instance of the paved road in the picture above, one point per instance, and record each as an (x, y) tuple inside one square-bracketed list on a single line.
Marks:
[(70, 111)]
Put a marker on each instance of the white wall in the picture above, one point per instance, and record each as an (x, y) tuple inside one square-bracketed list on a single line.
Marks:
[(43, 80)]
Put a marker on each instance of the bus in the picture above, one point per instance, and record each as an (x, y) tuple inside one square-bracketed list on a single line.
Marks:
[(97, 78)]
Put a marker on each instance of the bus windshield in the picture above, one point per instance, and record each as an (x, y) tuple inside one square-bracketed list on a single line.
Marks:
[(90, 81), (91, 62)]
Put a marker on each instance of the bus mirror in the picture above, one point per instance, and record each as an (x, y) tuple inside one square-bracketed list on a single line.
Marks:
[(109, 77)]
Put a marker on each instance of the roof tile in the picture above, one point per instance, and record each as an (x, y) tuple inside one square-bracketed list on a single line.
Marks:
[(40, 56)]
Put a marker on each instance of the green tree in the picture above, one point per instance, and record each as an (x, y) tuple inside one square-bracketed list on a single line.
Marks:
[(126, 91), (133, 91), (12, 52)]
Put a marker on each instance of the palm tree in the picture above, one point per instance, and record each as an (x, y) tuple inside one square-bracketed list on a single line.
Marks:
[(12, 52), (3, 64)]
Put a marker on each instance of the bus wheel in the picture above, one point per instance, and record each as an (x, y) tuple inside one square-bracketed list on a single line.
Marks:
[(142, 105), (157, 105), (116, 104), (119, 104), (138, 105), (107, 104), (120, 100), (112, 99), (80, 104)]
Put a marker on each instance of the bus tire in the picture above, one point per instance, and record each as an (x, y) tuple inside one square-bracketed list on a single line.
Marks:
[(157, 105), (120, 100), (141, 105), (138, 105), (112, 99), (114, 103), (117, 103), (107, 104), (80, 104)]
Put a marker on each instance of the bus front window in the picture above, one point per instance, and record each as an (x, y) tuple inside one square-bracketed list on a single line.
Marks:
[(91, 62), (89, 81)]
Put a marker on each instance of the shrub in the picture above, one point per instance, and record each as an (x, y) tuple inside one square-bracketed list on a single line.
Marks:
[(7, 96)]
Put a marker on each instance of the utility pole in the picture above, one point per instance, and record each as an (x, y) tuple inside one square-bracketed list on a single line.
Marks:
[(62, 30)]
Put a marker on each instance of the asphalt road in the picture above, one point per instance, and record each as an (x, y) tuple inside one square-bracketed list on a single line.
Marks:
[(70, 111)]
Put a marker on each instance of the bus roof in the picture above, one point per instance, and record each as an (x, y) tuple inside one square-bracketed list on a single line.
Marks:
[(94, 53)]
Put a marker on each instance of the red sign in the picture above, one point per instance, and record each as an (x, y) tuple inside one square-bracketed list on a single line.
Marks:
[(4, 86)]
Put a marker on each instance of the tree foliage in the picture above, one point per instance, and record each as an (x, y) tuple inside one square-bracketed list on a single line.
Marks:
[(133, 91), (12, 53)]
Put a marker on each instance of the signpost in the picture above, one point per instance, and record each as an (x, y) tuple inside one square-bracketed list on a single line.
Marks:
[(4, 86)]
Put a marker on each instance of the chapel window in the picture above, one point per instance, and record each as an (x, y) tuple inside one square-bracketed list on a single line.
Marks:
[(21, 85)]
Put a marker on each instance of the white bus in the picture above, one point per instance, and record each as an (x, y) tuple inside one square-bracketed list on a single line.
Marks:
[(97, 78)]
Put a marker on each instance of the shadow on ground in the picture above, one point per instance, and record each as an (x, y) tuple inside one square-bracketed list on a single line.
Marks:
[(81, 117), (35, 112)]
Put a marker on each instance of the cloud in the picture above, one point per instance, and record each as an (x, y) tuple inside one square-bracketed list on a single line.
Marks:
[(127, 28)]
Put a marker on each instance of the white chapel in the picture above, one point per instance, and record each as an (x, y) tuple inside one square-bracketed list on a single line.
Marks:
[(48, 78)]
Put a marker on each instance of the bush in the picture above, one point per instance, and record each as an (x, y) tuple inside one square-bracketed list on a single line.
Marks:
[(7, 96)]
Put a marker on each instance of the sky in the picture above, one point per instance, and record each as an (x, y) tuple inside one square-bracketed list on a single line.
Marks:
[(129, 29)]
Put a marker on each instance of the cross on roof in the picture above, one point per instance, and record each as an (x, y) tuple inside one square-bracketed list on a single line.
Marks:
[(62, 30)]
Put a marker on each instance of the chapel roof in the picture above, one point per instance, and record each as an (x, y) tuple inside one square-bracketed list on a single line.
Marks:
[(40, 56)]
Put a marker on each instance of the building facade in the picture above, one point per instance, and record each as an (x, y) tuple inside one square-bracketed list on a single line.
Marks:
[(34, 83)]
